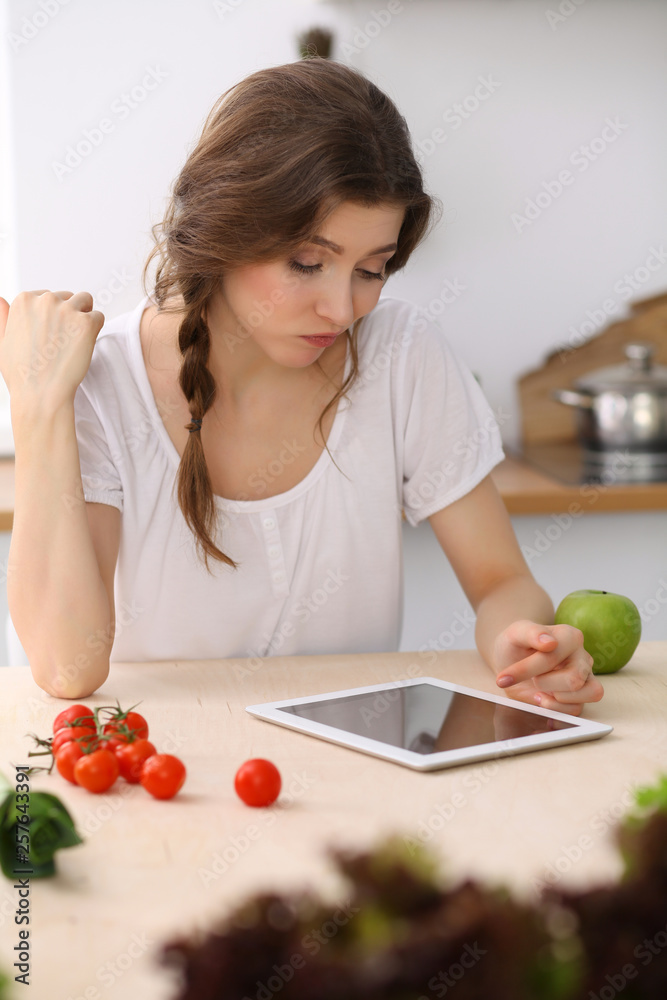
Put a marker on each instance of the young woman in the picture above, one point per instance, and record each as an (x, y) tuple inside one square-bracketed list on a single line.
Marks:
[(223, 471)]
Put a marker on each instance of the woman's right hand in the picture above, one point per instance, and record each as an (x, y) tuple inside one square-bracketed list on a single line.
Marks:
[(46, 345)]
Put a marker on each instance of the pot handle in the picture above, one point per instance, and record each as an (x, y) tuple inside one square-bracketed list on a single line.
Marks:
[(572, 398)]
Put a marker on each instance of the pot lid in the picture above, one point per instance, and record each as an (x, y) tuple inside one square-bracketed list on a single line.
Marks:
[(640, 374)]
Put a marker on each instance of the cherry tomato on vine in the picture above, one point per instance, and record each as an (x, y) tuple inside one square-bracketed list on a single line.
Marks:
[(163, 775), (70, 714), (133, 721), (112, 743), (96, 771), (131, 758), (66, 758), (69, 734), (258, 782)]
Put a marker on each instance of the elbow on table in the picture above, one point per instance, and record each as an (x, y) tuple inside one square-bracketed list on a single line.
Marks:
[(70, 681)]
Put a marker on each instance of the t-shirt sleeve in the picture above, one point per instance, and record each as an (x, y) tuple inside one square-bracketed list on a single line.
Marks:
[(99, 475), (451, 438)]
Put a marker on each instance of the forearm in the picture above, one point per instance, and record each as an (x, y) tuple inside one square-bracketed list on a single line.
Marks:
[(55, 591), (516, 598)]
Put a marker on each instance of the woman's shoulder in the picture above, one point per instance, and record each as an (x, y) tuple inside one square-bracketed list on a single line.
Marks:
[(113, 361), (115, 334), (402, 326), (392, 310)]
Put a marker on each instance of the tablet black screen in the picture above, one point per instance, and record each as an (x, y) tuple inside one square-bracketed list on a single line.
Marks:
[(425, 718)]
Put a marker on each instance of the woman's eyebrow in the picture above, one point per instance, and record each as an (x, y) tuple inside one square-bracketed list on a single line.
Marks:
[(336, 249)]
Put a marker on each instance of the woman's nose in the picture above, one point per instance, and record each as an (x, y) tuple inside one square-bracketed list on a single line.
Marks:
[(336, 306)]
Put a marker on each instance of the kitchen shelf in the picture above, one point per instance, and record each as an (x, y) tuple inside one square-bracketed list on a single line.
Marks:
[(526, 490)]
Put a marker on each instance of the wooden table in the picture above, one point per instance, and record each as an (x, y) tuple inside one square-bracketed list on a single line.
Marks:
[(149, 870)]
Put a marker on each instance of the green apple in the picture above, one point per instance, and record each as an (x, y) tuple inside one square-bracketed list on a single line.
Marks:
[(611, 624)]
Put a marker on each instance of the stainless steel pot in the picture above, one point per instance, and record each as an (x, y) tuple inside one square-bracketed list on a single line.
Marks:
[(622, 406)]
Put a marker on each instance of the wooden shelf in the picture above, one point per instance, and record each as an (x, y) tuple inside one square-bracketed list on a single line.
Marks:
[(526, 490)]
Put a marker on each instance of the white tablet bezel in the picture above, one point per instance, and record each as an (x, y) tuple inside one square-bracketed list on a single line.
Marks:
[(582, 729)]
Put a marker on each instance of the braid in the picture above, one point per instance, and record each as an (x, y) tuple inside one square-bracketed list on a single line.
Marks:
[(195, 493)]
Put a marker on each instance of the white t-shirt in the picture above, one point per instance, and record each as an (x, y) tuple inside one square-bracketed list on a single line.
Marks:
[(321, 565)]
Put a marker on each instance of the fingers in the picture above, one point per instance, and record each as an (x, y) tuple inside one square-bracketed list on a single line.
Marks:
[(592, 690), (80, 300), (558, 644), (571, 708), (525, 692), (570, 675), (83, 301)]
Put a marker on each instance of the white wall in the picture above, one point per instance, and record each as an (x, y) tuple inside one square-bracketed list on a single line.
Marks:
[(555, 84), (623, 553)]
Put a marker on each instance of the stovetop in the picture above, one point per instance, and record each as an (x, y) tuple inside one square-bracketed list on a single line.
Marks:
[(573, 465)]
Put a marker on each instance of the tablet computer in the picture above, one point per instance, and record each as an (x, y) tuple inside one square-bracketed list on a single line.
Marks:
[(428, 724)]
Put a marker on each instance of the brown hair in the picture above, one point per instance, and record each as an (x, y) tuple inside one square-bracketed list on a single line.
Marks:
[(278, 152)]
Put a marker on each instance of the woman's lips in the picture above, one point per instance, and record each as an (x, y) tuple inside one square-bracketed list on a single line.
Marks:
[(321, 340)]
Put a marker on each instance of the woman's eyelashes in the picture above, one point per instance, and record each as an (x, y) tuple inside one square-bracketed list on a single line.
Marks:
[(312, 268)]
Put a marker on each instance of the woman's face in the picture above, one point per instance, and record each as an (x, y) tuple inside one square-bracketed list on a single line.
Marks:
[(317, 291)]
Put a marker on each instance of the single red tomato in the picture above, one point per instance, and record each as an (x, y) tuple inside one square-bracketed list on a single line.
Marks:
[(163, 775), (258, 782), (66, 758), (132, 721), (131, 758), (96, 771), (70, 714), (68, 734)]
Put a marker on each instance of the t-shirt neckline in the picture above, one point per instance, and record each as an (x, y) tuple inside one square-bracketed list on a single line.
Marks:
[(224, 503)]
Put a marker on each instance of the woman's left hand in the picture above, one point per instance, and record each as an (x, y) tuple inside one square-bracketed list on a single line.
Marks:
[(546, 665)]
